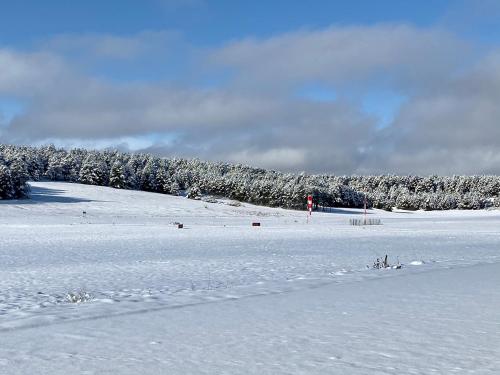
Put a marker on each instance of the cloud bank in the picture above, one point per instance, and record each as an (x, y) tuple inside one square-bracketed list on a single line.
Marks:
[(239, 102)]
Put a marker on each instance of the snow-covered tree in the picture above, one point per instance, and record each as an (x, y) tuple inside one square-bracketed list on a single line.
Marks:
[(6, 188), (94, 171)]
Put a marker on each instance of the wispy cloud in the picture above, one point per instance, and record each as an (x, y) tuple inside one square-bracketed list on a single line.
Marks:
[(108, 46)]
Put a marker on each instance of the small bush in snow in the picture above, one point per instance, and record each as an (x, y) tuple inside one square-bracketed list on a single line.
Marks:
[(78, 297), (194, 192), (209, 199), (496, 202)]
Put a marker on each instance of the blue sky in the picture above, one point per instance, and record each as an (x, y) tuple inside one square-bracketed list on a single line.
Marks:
[(204, 22), (242, 81)]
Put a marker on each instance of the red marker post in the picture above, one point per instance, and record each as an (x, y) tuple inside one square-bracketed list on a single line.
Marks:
[(309, 206)]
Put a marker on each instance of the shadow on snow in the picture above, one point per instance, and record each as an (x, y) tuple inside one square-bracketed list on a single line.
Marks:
[(46, 195)]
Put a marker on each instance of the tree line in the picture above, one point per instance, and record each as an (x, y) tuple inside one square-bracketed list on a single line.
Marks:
[(195, 178)]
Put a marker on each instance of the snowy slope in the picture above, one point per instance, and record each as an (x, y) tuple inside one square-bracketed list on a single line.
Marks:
[(127, 254)]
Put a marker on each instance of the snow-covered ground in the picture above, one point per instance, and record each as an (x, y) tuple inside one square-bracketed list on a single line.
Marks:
[(221, 296)]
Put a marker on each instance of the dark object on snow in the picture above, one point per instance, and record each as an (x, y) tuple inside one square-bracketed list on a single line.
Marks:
[(379, 264), (180, 225), (84, 213), (255, 224)]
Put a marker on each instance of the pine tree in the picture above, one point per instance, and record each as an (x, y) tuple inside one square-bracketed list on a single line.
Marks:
[(117, 177), (94, 171)]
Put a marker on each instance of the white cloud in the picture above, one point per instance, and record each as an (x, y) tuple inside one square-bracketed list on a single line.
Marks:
[(451, 130), (385, 54), (278, 158), (27, 74)]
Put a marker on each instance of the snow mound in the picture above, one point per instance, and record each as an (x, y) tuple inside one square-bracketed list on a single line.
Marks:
[(416, 263)]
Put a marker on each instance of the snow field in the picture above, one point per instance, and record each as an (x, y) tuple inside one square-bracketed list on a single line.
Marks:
[(128, 256)]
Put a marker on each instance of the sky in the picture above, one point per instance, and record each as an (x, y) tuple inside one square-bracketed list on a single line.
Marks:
[(358, 87)]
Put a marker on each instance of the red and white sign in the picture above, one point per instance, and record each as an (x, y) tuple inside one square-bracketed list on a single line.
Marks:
[(310, 203)]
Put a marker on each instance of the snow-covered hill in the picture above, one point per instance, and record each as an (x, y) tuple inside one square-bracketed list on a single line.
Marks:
[(122, 250)]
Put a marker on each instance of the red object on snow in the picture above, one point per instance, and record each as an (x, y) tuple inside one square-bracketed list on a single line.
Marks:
[(310, 203)]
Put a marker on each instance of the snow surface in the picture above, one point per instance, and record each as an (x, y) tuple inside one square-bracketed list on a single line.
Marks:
[(221, 296)]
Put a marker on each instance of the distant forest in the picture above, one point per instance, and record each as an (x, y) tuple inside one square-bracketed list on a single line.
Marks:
[(195, 178)]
